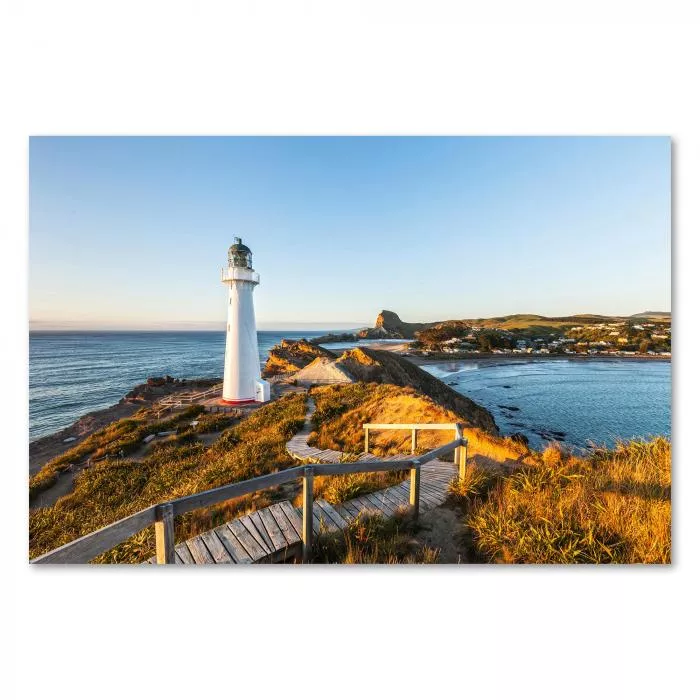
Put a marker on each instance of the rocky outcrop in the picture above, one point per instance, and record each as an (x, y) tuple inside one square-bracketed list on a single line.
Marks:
[(389, 325), (291, 355)]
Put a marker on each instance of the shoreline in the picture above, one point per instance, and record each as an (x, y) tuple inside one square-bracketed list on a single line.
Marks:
[(508, 359)]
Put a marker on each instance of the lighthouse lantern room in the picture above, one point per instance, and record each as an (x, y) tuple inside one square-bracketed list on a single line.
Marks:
[(242, 382)]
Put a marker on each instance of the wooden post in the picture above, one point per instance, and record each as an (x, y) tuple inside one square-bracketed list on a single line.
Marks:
[(165, 534), (463, 459), (414, 440), (458, 436), (307, 519), (366, 439), (414, 495)]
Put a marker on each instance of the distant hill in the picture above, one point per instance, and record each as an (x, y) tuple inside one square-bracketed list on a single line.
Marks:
[(652, 314), (389, 325)]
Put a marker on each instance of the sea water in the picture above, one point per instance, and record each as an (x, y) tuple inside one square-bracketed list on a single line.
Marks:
[(578, 402)]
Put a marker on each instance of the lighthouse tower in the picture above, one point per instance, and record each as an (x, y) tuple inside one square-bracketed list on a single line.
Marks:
[(242, 382)]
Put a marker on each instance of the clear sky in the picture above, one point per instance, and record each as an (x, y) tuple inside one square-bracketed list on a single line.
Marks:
[(131, 232)]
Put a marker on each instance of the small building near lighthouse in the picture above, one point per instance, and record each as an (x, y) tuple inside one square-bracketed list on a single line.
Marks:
[(242, 381)]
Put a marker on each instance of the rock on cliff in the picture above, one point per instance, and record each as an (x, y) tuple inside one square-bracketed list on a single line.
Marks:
[(291, 356), (389, 325)]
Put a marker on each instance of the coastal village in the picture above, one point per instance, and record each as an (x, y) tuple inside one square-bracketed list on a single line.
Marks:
[(616, 339), (645, 335)]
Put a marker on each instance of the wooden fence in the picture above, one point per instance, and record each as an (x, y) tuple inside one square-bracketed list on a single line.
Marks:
[(162, 516), (169, 402)]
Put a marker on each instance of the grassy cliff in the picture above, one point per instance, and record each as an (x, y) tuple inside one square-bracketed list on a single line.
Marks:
[(170, 469)]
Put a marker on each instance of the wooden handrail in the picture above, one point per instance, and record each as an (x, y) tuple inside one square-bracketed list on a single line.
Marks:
[(239, 488), (361, 467), (410, 426), (414, 428), (86, 548)]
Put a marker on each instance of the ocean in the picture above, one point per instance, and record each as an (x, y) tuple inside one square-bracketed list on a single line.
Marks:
[(73, 373), (574, 401)]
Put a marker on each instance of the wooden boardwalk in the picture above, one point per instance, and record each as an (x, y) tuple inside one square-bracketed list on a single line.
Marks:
[(273, 534)]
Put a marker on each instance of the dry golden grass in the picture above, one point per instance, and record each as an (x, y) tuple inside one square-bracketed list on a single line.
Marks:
[(123, 436), (114, 489), (373, 539), (611, 507)]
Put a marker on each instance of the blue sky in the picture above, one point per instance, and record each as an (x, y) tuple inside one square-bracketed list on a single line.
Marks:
[(131, 232)]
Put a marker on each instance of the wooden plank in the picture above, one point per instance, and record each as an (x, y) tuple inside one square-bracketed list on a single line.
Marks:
[(184, 554), (325, 523), (86, 548), (279, 541), (432, 490), (368, 505), (398, 495), (344, 513), (284, 525), (216, 549), (385, 508), (260, 532), (178, 558), (236, 550), (331, 513), (352, 509), (315, 523), (391, 498), (198, 550), (255, 533), (293, 516), (247, 540), (240, 488), (438, 487)]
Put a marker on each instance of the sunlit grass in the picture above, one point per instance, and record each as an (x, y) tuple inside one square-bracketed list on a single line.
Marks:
[(121, 437), (611, 507), (114, 489), (372, 539)]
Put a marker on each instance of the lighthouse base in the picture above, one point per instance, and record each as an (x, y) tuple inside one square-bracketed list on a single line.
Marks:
[(239, 402)]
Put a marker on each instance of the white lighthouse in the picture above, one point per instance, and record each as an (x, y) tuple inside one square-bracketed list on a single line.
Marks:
[(242, 382)]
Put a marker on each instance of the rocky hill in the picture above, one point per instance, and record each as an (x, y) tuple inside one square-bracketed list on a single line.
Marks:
[(291, 355), (389, 325)]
